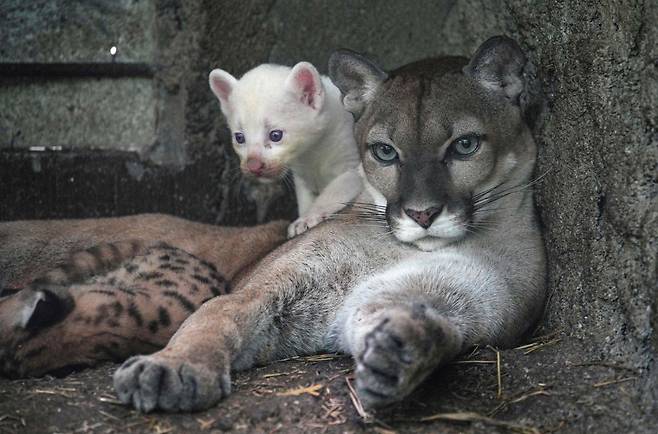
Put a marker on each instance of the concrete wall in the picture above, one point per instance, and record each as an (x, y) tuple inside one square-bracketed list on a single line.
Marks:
[(98, 112)]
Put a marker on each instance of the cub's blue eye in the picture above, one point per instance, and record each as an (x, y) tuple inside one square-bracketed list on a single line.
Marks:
[(466, 145), (384, 153), (239, 137), (276, 135)]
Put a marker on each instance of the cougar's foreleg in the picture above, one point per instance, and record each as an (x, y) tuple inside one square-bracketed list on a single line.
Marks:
[(404, 323), (270, 318)]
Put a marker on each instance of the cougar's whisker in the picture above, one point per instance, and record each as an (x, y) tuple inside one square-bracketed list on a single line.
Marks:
[(485, 199)]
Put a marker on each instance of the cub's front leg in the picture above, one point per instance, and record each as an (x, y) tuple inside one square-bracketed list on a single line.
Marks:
[(343, 189)]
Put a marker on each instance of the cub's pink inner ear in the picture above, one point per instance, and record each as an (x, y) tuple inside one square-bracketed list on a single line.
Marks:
[(307, 85), (222, 84)]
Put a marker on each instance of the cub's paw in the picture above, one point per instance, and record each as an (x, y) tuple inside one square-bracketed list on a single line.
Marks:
[(400, 351), (152, 382), (305, 223)]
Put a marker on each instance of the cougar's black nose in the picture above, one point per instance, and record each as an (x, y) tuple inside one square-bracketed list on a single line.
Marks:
[(424, 218)]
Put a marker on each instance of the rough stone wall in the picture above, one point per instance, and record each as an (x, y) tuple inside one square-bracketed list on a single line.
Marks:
[(598, 146)]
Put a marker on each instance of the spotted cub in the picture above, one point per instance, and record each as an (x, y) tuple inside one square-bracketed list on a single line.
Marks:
[(105, 303)]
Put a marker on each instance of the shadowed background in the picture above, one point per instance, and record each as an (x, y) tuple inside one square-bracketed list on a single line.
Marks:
[(141, 132)]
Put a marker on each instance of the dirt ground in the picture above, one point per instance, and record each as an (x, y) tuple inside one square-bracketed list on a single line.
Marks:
[(546, 386)]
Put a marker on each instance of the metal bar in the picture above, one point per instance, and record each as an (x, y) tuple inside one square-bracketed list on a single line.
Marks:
[(97, 69)]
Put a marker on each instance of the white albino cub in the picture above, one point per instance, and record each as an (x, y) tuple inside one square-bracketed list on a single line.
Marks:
[(292, 119)]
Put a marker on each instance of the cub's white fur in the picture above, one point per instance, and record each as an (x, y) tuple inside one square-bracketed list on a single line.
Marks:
[(316, 140)]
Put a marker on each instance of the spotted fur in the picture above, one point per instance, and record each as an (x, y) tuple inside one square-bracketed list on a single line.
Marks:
[(106, 303), (114, 299)]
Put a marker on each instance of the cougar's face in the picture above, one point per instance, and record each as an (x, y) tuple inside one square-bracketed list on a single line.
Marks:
[(435, 145)]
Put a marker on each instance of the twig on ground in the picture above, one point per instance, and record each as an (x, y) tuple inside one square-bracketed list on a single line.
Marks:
[(614, 381), (286, 359), (313, 390), (108, 415), (259, 391), (206, 424), (110, 400), (61, 392), (499, 376), (158, 427), (476, 417), (278, 374), (539, 343), (85, 428), (358, 406), (521, 396), (605, 365), (333, 411), (357, 402), (323, 357), (537, 340)]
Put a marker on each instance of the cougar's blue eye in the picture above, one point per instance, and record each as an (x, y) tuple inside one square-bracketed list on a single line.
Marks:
[(466, 145), (239, 137), (384, 153), (276, 135)]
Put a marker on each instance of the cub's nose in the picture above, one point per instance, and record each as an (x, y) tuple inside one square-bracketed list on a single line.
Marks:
[(424, 218), (255, 166)]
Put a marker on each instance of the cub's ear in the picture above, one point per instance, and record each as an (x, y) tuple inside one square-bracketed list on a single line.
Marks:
[(356, 77), (498, 65), (305, 83), (222, 84), (41, 308)]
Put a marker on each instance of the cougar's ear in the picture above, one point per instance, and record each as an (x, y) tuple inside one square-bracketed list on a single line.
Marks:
[(222, 84), (357, 78), (305, 83), (498, 65)]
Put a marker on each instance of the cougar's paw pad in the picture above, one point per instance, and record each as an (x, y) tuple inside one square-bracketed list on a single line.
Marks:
[(148, 383), (393, 359)]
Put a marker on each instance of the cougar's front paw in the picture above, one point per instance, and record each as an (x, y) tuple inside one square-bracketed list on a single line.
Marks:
[(305, 223), (152, 382), (398, 354)]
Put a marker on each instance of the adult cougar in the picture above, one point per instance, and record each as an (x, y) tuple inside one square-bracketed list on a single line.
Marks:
[(442, 251)]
